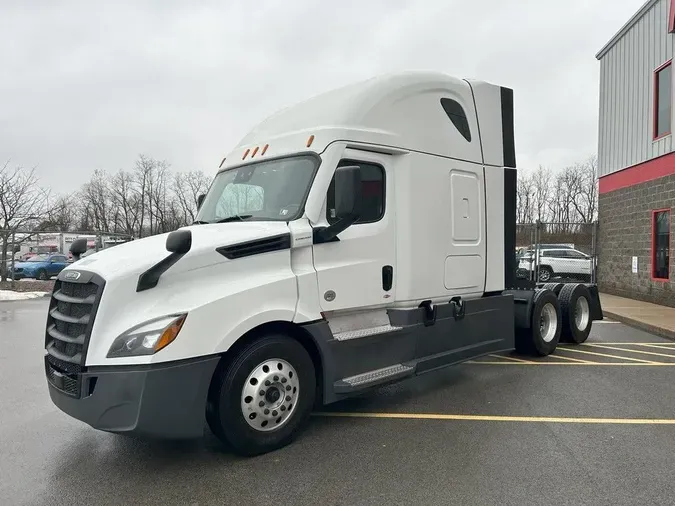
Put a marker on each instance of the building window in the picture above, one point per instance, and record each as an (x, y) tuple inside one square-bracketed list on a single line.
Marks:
[(373, 180), (661, 244), (662, 100)]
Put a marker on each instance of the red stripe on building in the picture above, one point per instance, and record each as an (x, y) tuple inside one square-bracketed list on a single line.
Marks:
[(671, 17), (641, 173)]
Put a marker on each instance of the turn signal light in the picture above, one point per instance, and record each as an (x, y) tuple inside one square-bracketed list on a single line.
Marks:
[(170, 333)]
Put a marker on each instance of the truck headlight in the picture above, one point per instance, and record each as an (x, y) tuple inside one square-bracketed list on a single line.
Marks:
[(147, 338)]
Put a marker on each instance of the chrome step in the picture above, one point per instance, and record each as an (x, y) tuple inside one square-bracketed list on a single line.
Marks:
[(373, 331), (373, 377)]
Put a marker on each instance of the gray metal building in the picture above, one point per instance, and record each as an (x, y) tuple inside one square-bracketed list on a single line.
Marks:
[(636, 157)]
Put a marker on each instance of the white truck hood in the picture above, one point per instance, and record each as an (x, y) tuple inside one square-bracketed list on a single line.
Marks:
[(135, 257)]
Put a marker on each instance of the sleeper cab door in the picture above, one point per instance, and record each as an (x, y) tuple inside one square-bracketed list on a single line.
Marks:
[(356, 269)]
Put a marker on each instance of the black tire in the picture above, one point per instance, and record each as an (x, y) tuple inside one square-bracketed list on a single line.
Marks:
[(574, 331), (41, 275), (545, 274), (554, 287), (535, 340), (224, 412)]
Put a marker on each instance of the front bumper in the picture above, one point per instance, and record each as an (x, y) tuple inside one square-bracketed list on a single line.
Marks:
[(160, 400)]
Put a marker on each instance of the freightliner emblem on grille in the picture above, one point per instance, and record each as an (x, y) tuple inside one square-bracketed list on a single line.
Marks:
[(71, 275)]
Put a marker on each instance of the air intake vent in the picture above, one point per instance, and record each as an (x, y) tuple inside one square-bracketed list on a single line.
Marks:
[(70, 319), (247, 249)]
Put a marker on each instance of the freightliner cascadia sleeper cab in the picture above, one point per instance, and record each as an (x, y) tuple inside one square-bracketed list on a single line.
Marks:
[(364, 236)]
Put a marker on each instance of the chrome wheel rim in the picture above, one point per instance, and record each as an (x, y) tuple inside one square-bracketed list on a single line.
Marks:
[(270, 395), (582, 313), (548, 323), (544, 275)]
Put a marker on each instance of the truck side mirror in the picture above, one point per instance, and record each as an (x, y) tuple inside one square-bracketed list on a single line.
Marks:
[(78, 247), (200, 201), (348, 202), (179, 242)]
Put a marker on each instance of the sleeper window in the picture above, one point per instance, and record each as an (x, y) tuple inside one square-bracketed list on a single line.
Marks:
[(372, 177)]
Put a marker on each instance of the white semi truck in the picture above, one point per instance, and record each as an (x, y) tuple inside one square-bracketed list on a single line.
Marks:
[(364, 236)]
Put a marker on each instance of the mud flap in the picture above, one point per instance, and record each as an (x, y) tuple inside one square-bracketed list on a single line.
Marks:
[(596, 306)]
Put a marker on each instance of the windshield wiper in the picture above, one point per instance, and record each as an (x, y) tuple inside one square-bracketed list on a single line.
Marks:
[(236, 217), (200, 222)]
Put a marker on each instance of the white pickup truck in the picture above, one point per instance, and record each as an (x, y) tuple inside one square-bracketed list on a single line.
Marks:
[(359, 238)]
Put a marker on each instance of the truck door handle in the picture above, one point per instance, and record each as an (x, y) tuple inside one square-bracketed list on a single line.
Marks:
[(387, 277)]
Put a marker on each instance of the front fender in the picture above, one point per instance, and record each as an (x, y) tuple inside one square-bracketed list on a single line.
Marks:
[(223, 301)]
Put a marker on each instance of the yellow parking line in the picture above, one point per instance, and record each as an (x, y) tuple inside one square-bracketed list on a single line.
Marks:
[(573, 359), (602, 346), (629, 364), (500, 418), (664, 343), (576, 350), (519, 360), (654, 345)]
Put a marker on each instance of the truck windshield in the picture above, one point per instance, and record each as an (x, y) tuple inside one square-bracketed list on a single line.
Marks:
[(271, 190)]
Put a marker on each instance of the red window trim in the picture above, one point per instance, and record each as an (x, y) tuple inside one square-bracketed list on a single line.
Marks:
[(671, 17), (653, 252), (656, 102)]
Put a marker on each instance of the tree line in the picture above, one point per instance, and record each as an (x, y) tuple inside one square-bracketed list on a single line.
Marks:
[(565, 197), (150, 199), (145, 200)]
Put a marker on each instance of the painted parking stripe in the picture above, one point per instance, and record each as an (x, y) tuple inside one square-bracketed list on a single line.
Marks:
[(501, 418), (627, 364), (616, 348), (663, 343), (576, 350), (570, 359), (513, 359), (658, 346)]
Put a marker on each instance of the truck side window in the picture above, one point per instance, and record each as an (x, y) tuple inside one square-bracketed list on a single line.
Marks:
[(458, 117), (373, 179)]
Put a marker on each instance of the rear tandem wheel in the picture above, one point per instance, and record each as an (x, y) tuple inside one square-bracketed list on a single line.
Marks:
[(545, 325)]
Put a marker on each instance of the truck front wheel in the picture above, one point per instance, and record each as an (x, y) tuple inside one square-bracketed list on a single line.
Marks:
[(260, 400)]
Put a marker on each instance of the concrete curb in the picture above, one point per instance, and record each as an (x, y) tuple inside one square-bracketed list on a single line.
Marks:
[(631, 322)]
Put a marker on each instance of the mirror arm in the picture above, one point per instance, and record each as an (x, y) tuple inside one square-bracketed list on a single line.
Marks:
[(331, 232)]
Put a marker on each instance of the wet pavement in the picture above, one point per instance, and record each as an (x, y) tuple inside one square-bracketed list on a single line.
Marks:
[(590, 425)]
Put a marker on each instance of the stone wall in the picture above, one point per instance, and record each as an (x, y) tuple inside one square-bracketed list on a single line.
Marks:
[(625, 230)]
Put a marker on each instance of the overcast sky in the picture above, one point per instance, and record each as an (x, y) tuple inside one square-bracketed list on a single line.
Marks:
[(86, 85)]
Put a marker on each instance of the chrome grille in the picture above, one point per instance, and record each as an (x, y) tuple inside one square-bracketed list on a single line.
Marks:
[(71, 316)]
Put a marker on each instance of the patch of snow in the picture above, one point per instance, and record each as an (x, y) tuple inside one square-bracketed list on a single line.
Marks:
[(9, 295)]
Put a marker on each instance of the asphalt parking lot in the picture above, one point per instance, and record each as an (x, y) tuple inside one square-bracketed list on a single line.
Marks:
[(593, 424)]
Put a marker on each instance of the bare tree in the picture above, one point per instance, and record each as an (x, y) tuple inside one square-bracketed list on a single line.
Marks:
[(188, 186), (97, 202), (23, 205)]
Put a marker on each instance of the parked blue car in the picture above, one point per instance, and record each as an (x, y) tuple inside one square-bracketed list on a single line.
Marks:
[(40, 266)]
